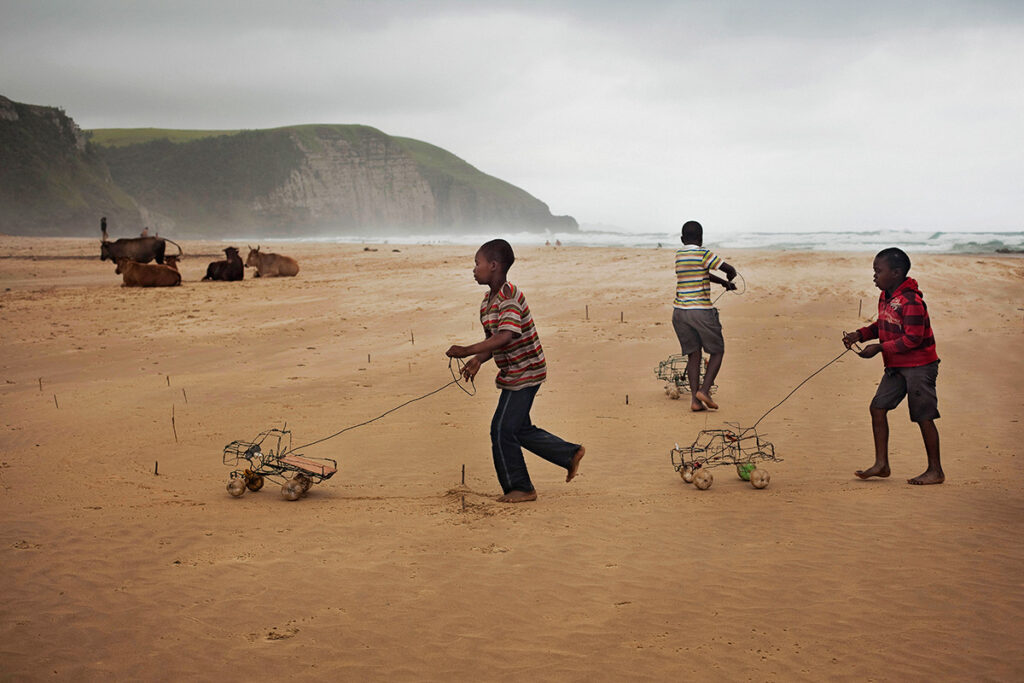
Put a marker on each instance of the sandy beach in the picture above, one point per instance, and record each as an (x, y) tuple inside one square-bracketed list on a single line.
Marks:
[(125, 558)]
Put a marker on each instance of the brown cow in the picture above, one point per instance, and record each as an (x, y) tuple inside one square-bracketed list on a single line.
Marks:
[(271, 265), (171, 260), (147, 274), (142, 249)]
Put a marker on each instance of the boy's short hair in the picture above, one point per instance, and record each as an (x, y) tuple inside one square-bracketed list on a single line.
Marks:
[(692, 231), (500, 251), (896, 258)]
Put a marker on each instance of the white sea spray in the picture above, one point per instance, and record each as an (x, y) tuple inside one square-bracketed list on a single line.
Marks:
[(866, 240)]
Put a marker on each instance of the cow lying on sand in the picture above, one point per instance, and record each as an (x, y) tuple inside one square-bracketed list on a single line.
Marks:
[(171, 260), (271, 265), (147, 274), (232, 269)]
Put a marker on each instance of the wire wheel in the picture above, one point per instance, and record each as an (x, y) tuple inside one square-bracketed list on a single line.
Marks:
[(291, 490), (759, 478), (236, 487), (703, 479), (305, 480)]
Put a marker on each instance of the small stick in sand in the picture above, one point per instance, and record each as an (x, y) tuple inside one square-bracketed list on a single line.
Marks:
[(463, 475), (168, 380), (173, 427), (621, 319), (40, 384), (55, 401), (156, 468), (860, 304), (412, 337), (184, 394), (627, 399), (586, 310)]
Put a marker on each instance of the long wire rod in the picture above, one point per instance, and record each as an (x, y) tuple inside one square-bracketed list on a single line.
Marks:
[(456, 372)]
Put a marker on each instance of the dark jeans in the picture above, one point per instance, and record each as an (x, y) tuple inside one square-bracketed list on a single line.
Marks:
[(511, 431)]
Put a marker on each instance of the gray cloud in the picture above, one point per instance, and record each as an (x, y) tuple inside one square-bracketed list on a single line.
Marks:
[(749, 115)]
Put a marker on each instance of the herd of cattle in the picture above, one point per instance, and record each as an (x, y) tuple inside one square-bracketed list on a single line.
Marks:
[(133, 255)]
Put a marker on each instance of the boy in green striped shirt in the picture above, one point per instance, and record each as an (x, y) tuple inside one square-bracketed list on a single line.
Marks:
[(694, 318)]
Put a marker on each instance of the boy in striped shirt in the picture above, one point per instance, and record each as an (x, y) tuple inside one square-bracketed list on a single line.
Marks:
[(510, 338), (907, 345), (694, 318)]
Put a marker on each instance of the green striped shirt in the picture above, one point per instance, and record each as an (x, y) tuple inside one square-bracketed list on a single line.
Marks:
[(693, 287)]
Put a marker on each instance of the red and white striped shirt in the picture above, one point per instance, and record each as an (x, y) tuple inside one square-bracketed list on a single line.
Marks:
[(520, 364)]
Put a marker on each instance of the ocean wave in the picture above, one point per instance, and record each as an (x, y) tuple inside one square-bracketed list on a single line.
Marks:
[(866, 240)]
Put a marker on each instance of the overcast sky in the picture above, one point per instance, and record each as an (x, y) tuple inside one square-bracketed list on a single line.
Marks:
[(748, 115)]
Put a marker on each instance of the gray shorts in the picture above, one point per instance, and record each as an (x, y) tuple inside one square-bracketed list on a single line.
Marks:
[(917, 384), (698, 329)]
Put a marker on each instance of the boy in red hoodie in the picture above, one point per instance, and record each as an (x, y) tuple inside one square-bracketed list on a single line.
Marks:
[(911, 363)]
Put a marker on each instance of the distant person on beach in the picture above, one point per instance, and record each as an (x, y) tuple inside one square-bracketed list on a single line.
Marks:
[(694, 318), (145, 232), (904, 332), (510, 338)]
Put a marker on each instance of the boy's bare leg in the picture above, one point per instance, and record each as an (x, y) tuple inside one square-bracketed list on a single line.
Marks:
[(880, 430), (693, 374), (574, 466), (518, 497), (704, 393), (934, 474)]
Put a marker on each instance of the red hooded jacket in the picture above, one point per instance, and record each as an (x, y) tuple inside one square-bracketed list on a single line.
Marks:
[(903, 328)]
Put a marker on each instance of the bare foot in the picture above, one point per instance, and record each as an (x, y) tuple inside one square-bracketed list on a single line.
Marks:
[(929, 477), (696, 406), (706, 399), (873, 471), (574, 466), (518, 497)]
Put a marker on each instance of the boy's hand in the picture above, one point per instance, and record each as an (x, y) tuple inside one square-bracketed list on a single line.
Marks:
[(851, 338), (729, 286), (870, 351), (471, 367), (457, 352)]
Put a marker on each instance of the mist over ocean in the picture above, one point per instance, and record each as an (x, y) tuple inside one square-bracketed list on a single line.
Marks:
[(867, 240)]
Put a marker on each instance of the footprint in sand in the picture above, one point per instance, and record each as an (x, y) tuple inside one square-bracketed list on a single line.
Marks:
[(274, 634)]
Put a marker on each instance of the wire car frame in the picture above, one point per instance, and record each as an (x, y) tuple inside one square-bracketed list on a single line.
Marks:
[(741, 448), (270, 456), (673, 371)]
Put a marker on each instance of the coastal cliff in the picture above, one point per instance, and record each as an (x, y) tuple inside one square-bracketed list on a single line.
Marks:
[(52, 181), (296, 181)]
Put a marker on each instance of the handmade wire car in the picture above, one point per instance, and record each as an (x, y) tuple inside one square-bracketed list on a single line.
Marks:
[(270, 456), (742, 448), (673, 371)]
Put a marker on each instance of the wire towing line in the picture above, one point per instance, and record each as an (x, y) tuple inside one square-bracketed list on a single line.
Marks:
[(284, 464), (736, 446)]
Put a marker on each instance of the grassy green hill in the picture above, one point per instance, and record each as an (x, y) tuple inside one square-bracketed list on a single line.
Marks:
[(311, 179), (122, 137)]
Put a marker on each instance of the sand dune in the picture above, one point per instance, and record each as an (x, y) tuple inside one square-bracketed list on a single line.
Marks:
[(395, 570)]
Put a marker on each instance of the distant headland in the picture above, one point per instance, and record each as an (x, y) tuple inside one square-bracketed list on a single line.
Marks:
[(297, 181)]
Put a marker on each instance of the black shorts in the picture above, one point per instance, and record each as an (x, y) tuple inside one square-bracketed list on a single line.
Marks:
[(917, 384), (698, 328)]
